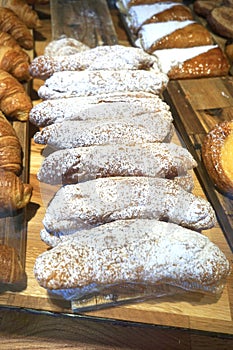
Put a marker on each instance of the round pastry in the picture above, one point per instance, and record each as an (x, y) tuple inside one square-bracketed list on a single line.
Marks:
[(203, 8), (220, 21), (217, 155)]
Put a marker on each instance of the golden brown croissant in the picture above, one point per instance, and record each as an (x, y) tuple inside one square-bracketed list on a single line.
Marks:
[(14, 194), (10, 148), (12, 24), (14, 101), (8, 40), (24, 12), (16, 62), (11, 270)]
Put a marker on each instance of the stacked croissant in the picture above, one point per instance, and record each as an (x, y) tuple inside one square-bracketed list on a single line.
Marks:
[(124, 213)]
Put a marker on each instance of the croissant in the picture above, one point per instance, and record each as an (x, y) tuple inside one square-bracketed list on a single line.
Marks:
[(15, 62), (11, 269), (10, 148), (12, 24), (24, 12), (14, 194), (14, 101), (8, 40)]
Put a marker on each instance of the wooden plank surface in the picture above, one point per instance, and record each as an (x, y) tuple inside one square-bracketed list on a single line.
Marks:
[(189, 311)]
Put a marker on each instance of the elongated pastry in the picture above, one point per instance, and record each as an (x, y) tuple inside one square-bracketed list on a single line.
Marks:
[(165, 160), (173, 34), (10, 148), (157, 12), (11, 270), (108, 57), (96, 202), (132, 253), (25, 12), (14, 194), (94, 107), (141, 129), (64, 46), (12, 24), (14, 101), (195, 62), (16, 62), (90, 83)]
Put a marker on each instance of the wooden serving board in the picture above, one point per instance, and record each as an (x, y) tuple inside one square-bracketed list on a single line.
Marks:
[(188, 310)]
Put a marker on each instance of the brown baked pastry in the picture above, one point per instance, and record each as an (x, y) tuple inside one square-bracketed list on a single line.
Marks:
[(10, 148), (132, 253), (196, 62), (229, 49), (14, 194), (10, 23), (217, 155), (14, 101), (220, 20), (227, 3), (25, 12), (173, 34), (16, 62), (203, 7), (8, 40), (11, 270)]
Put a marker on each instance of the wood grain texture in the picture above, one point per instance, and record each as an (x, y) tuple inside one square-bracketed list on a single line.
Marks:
[(170, 322)]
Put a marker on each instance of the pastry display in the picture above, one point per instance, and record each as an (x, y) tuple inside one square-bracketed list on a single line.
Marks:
[(132, 253), (217, 153)]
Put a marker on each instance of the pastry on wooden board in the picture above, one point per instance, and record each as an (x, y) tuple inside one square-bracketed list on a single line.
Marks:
[(11, 270), (15, 62), (217, 155), (135, 254)]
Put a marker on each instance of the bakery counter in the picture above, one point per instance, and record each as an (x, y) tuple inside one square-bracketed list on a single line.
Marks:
[(30, 319)]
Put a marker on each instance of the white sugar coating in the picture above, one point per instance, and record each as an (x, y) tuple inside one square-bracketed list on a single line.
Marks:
[(89, 83), (69, 134), (134, 251), (137, 15), (64, 45), (109, 57), (85, 163), (92, 107), (153, 32), (169, 58), (108, 199)]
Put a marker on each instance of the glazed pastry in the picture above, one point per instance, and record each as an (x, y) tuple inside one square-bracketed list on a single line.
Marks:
[(15, 62), (95, 202), (115, 57), (132, 253), (90, 83), (165, 160), (173, 34), (14, 101), (217, 155), (158, 12), (10, 148), (25, 12), (11, 24), (11, 270), (196, 62), (14, 195), (96, 107), (220, 21), (140, 129), (64, 46)]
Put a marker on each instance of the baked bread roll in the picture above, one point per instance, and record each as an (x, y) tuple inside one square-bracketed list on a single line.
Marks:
[(217, 155), (96, 107), (115, 57), (14, 195), (13, 25), (132, 253), (140, 129), (195, 62), (64, 46), (10, 148), (173, 34), (11, 270), (203, 7), (15, 62), (90, 83), (165, 160), (14, 101), (92, 203), (157, 12), (220, 21)]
